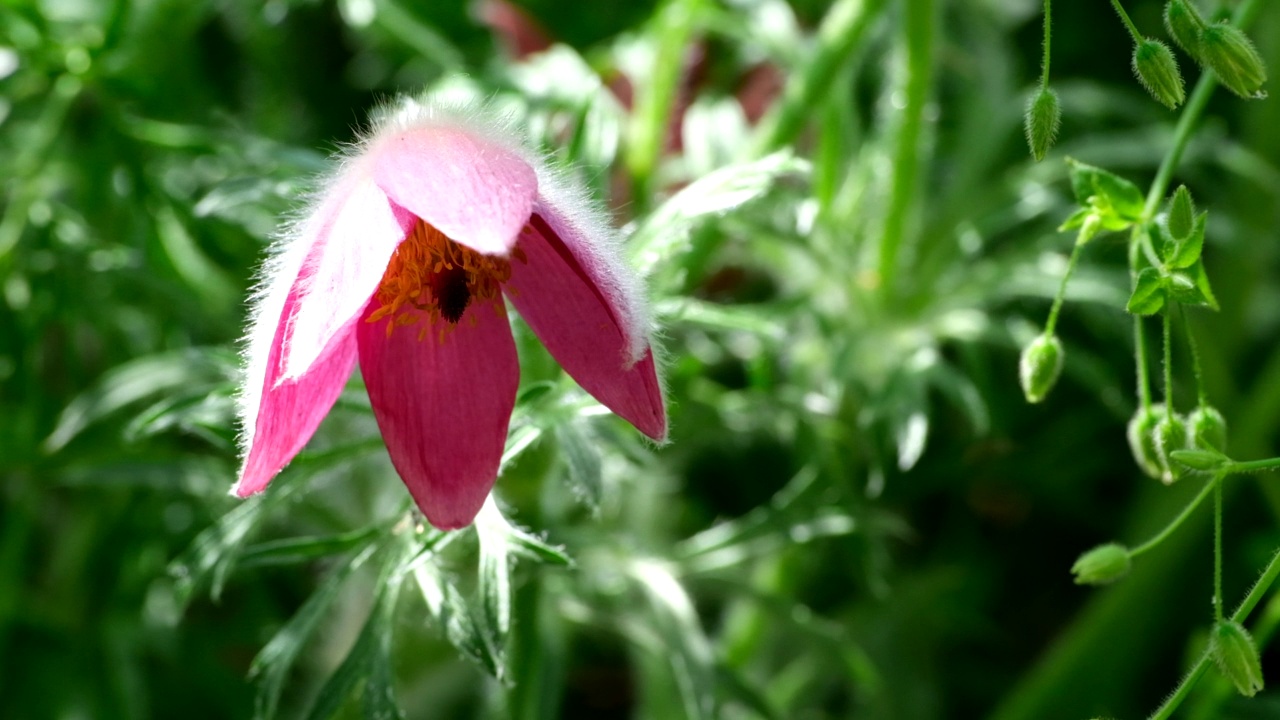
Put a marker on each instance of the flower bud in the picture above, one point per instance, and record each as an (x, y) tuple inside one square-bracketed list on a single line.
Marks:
[(1229, 53), (1237, 657), (1207, 429), (1142, 439), (1157, 70), (1170, 435), (1182, 214), (1041, 121), (1040, 366), (1202, 460), (1101, 565), (1184, 23)]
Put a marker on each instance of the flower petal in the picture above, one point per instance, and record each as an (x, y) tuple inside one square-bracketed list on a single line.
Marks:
[(575, 304), (476, 192), (443, 407), (289, 411), (342, 271)]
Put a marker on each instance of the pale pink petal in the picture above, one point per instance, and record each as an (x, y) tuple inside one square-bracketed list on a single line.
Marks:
[(443, 408), (474, 191), (342, 271), (578, 311), (289, 411)]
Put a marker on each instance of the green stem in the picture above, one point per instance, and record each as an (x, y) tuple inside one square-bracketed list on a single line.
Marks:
[(655, 99), (1217, 547), (1253, 466), (1177, 521), (1202, 395), (841, 34), (1251, 601), (919, 26), (1167, 324), (1048, 33), (1052, 322), (1133, 29), (1144, 372)]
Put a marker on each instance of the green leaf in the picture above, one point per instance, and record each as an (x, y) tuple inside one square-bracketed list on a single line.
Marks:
[(1187, 252), (582, 462), (665, 233), (367, 660), (1148, 293), (1075, 220), (1201, 280), (1122, 197), (136, 380), (272, 664)]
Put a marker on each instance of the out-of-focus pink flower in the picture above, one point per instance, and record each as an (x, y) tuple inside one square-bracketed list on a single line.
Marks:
[(516, 29), (401, 264)]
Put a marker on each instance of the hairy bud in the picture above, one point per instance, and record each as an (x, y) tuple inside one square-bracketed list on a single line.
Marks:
[(1229, 53), (1184, 23), (1040, 366), (1207, 429), (1101, 565), (1170, 436), (1182, 214), (1233, 650), (1041, 121), (1142, 439), (1156, 68)]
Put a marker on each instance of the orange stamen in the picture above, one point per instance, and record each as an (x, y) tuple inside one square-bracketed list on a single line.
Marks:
[(433, 278)]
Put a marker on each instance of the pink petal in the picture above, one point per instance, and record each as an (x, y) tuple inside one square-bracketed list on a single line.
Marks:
[(474, 191), (289, 411), (443, 408), (342, 270), (575, 303)]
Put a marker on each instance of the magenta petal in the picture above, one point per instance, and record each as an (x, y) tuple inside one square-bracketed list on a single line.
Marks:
[(342, 270), (443, 408), (289, 412), (472, 190), (580, 318)]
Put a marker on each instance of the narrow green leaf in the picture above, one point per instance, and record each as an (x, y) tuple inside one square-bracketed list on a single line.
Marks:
[(665, 233), (1121, 196), (1201, 279), (273, 662), (582, 462)]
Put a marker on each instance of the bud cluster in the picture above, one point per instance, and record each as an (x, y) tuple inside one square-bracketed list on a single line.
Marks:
[(1219, 46), (1160, 440)]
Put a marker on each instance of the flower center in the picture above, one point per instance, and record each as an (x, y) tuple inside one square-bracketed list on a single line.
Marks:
[(432, 278)]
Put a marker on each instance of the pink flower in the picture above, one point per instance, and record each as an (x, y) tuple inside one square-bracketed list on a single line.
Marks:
[(402, 263)]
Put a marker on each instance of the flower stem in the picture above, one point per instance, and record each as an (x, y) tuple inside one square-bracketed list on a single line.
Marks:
[(1177, 521), (1048, 34), (841, 34), (1217, 547), (919, 26), (1052, 322), (1167, 324), (1202, 396), (1144, 372), (1251, 601), (1253, 466), (1133, 29)]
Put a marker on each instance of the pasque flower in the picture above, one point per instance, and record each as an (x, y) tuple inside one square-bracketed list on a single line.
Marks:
[(401, 264)]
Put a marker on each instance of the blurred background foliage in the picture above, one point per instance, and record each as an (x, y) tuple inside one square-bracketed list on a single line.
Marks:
[(858, 515)]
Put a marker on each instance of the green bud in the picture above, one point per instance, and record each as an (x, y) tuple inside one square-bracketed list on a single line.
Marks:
[(1202, 460), (1101, 565), (1040, 366), (1142, 439), (1184, 23), (1041, 121), (1157, 70), (1237, 657), (1229, 53), (1182, 214), (1170, 435), (1207, 429)]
